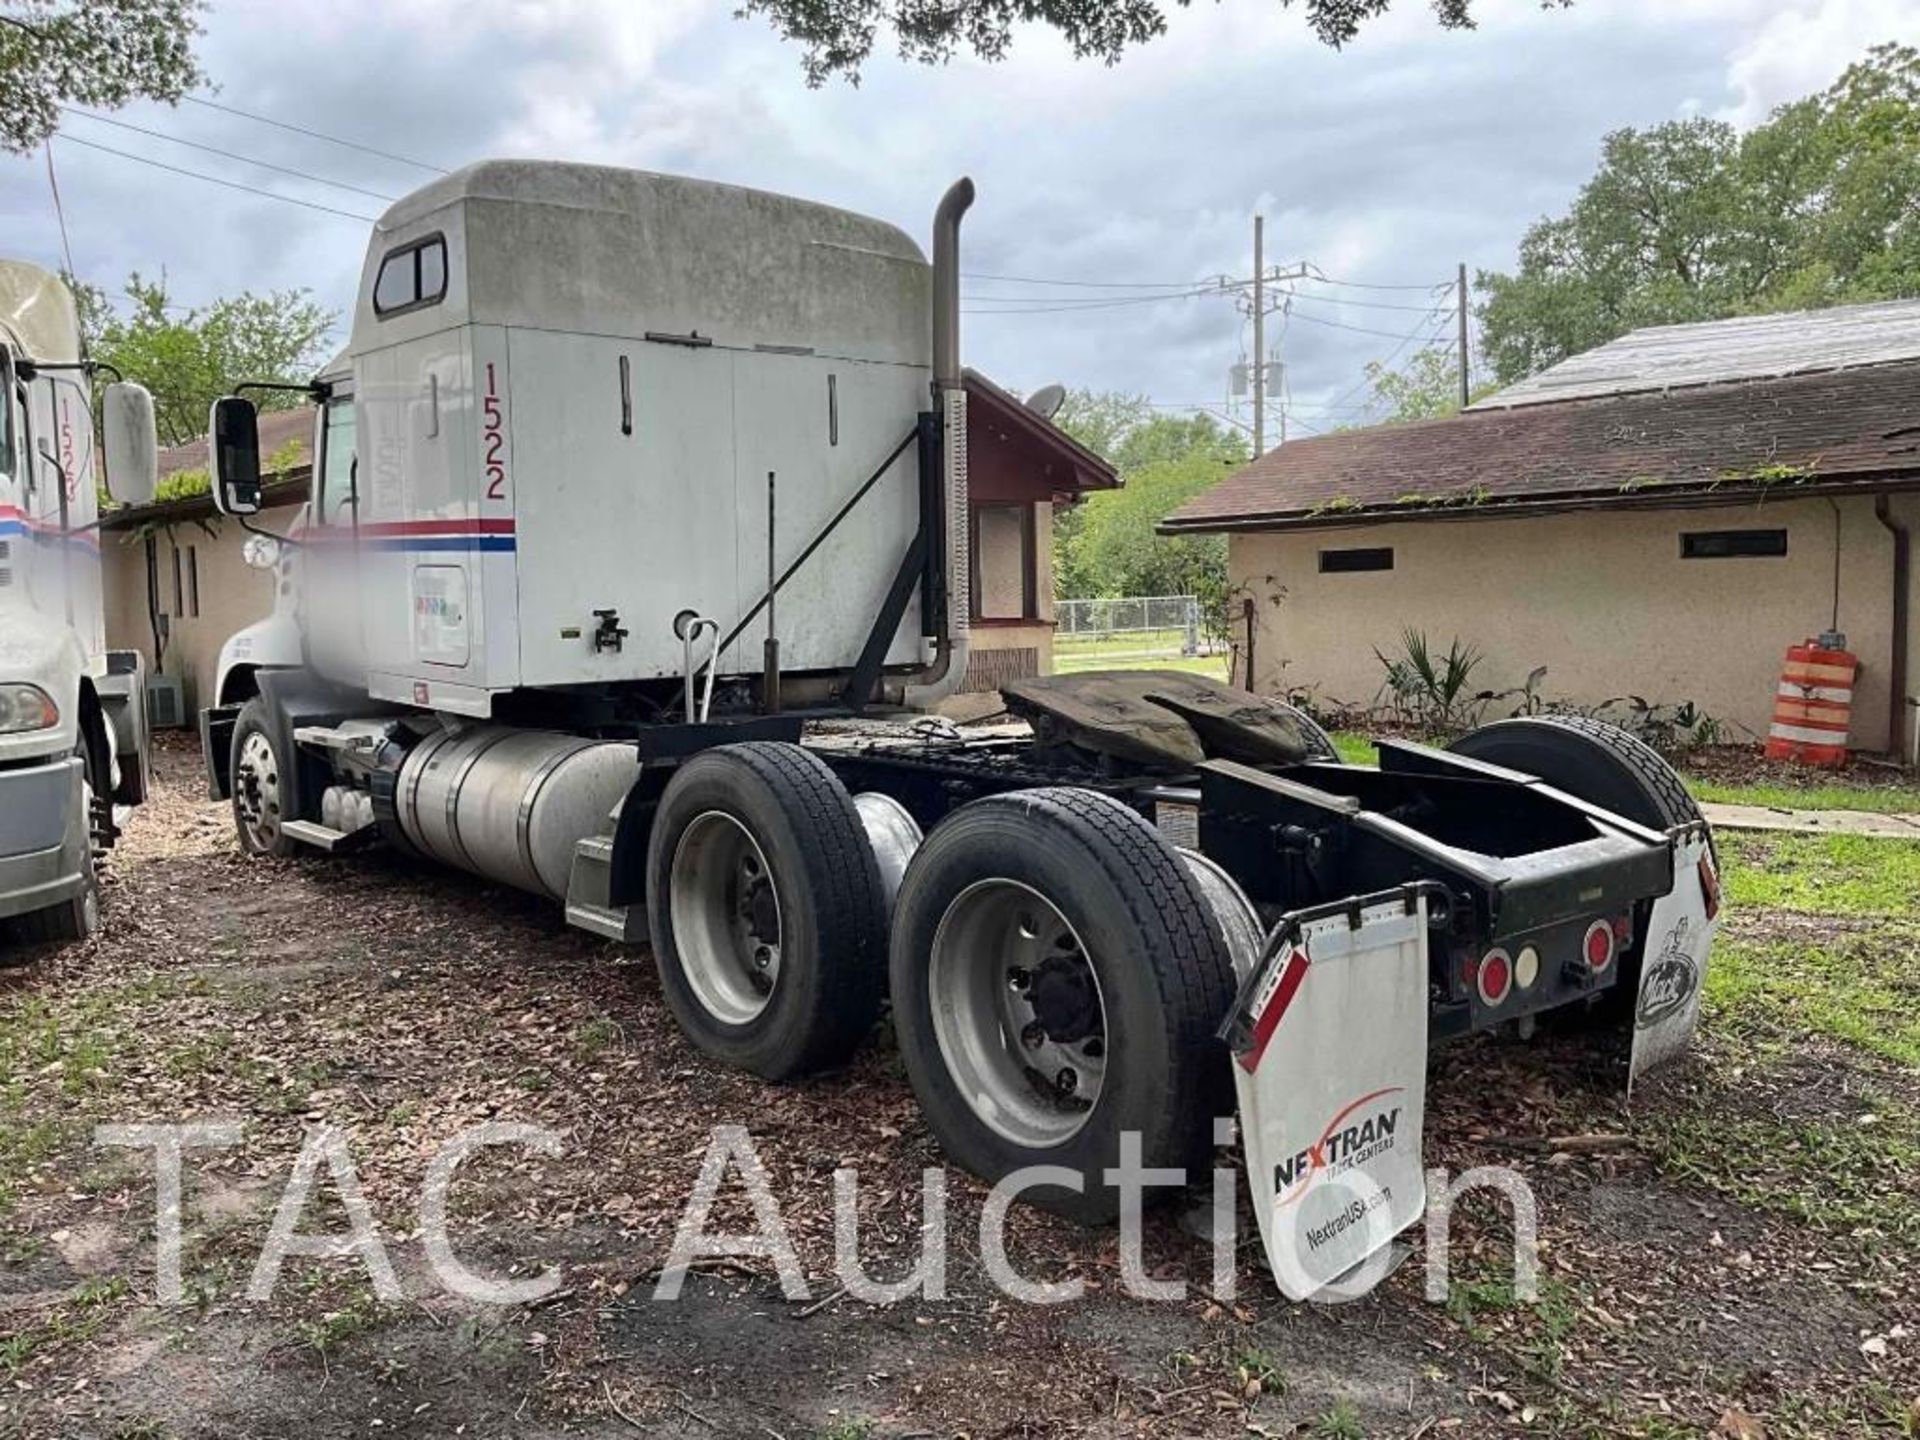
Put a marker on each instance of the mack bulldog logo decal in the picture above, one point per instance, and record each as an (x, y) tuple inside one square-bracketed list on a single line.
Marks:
[(1671, 977), (1679, 934)]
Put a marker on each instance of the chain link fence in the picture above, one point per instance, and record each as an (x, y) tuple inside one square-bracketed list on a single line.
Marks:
[(1134, 632)]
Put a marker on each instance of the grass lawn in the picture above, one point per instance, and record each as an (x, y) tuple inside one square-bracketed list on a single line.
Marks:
[(1145, 650), (1884, 799)]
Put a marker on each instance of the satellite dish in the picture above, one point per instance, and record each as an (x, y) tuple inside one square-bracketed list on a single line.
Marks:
[(1047, 400)]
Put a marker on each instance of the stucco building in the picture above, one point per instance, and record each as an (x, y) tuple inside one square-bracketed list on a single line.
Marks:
[(177, 587), (1661, 518)]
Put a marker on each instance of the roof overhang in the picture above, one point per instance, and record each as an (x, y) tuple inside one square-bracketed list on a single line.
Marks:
[(1667, 497), (1055, 466)]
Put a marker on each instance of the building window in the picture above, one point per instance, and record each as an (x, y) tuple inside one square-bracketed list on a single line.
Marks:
[(1730, 544), (179, 591), (1004, 563), (411, 277), (193, 581), (1349, 562)]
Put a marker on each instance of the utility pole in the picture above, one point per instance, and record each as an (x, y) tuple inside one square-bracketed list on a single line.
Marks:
[(1250, 298), (1460, 288), (1259, 336)]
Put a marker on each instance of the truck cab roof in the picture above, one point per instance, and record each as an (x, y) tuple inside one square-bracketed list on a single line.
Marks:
[(595, 249), (37, 315)]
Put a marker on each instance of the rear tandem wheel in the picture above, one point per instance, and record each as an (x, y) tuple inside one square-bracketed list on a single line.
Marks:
[(767, 913), (1056, 981)]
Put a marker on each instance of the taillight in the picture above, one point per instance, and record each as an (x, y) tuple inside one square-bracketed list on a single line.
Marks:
[(1494, 978), (1710, 885), (1599, 946)]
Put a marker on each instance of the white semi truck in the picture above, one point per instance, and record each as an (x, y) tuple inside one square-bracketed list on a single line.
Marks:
[(73, 728), (625, 481)]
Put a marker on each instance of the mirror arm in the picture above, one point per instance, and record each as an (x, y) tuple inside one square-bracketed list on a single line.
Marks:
[(30, 369), (318, 389)]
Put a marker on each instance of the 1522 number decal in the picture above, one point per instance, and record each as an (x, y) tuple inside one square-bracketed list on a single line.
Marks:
[(493, 438)]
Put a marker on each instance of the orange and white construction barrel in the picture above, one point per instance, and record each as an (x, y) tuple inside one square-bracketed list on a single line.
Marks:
[(1813, 708)]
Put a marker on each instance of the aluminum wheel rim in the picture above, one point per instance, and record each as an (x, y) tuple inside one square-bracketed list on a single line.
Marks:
[(725, 908), (1022, 1082), (256, 791)]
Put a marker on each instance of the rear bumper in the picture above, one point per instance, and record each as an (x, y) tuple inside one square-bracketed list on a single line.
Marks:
[(43, 835)]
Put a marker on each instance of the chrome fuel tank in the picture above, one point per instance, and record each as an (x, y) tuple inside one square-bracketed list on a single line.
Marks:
[(511, 804)]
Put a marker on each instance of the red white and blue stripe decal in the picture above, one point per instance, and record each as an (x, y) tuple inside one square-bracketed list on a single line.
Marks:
[(15, 521), (418, 536)]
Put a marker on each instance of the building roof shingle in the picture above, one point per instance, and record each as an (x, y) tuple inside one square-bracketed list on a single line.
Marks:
[(1845, 429)]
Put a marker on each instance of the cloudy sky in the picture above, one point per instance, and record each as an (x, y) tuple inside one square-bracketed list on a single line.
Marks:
[(1382, 166)]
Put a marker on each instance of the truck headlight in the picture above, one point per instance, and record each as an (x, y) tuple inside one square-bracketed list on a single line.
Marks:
[(26, 707), (262, 552)]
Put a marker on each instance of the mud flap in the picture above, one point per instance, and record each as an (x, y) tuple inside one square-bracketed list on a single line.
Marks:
[(1674, 971), (1329, 1042)]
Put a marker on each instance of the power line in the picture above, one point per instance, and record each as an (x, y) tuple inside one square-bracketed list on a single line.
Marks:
[(227, 154), (1084, 284), (1356, 329), (314, 134), (1078, 307), (1097, 300), (1432, 333), (59, 210), (1370, 285), (1345, 303), (216, 180)]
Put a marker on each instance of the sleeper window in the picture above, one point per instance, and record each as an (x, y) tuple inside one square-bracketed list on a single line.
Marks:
[(410, 277)]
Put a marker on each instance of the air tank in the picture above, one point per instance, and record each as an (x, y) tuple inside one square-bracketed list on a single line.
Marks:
[(511, 804)]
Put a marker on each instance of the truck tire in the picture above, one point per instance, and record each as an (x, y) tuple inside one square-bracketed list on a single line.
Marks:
[(71, 920), (259, 770), (1057, 979), (767, 913), (1590, 760)]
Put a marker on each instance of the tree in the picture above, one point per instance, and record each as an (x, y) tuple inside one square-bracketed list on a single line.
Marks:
[(1426, 387), (189, 357), (1106, 545), (839, 34), (1692, 220), (90, 52)]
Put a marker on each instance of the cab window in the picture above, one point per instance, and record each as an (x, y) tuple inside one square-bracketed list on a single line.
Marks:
[(336, 463), (411, 277)]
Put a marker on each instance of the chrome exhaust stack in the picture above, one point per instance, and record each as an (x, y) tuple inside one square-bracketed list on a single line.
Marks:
[(950, 631)]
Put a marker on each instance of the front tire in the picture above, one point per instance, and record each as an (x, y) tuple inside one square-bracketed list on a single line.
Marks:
[(260, 773), (1056, 982), (766, 910)]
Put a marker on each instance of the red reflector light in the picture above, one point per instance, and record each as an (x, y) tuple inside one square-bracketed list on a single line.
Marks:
[(1495, 977), (1710, 884), (1599, 945)]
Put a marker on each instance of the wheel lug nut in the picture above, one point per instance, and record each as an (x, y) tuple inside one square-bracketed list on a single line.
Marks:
[(762, 956), (1018, 980), (1033, 1034), (1066, 1082)]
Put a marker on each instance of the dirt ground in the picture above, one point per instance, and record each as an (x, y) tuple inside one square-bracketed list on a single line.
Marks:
[(1739, 1253)]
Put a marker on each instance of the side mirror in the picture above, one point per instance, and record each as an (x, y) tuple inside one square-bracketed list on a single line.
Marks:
[(133, 451), (233, 450)]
